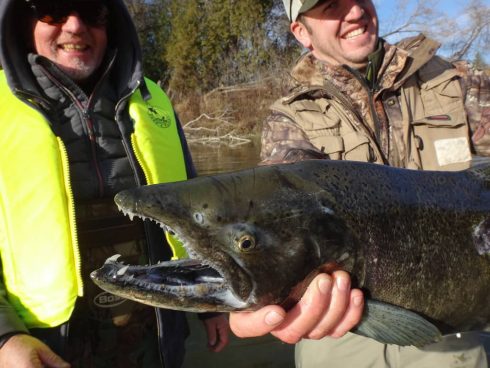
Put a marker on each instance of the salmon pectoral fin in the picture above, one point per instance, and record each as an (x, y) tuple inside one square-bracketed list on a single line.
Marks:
[(390, 324)]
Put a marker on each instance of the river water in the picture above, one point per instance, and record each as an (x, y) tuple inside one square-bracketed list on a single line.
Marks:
[(212, 159)]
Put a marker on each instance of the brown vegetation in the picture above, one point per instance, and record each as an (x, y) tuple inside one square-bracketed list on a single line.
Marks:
[(228, 113)]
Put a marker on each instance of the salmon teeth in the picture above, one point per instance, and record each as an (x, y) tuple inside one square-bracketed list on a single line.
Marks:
[(123, 270)]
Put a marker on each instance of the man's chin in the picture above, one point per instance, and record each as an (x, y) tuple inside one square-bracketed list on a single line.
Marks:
[(79, 73), (359, 56)]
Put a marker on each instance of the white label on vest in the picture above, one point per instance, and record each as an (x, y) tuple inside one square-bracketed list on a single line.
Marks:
[(453, 150)]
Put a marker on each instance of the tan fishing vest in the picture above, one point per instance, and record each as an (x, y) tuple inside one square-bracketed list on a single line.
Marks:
[(429, 110)]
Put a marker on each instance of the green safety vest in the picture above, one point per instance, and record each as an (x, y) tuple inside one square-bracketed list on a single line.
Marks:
[(38, 239)]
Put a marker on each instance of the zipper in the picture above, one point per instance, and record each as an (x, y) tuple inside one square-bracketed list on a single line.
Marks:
[(372, 108), (93, 148), (71, 209), (91, 131), (89, 125), (370, 90), (86, 121), (134, 160), (28, 98)]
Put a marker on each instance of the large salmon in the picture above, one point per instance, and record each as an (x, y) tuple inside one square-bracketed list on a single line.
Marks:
[(414, 241)]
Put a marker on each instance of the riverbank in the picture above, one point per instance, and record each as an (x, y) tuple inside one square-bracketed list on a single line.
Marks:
[(228, 114)]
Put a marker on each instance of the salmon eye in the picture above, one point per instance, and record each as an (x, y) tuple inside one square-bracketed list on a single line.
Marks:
[(199, 218), (246, 243)]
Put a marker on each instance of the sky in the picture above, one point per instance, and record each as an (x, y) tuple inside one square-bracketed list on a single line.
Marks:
[(387, 11), (452, 7)]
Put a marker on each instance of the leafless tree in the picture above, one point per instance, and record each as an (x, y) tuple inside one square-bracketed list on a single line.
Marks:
[(474, 33), (411, 18), (461, 36)]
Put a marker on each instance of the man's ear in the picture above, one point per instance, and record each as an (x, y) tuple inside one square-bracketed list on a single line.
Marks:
[(300, 31)]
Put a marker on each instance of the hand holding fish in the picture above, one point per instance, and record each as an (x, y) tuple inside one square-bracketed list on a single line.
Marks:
[(328, 308), (217, 331)]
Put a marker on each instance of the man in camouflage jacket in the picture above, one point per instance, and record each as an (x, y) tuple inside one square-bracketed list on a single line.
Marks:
[(413, 110), (353, 96)]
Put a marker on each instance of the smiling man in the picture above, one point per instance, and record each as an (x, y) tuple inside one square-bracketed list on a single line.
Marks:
[(335, 37), (79, 123), (77, 47), (353, 96)]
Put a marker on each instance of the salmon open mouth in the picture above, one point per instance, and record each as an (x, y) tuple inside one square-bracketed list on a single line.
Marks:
[(185, 284)]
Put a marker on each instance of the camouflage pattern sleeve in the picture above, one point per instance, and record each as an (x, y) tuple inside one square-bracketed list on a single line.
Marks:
[(284, 141), (476, 89)]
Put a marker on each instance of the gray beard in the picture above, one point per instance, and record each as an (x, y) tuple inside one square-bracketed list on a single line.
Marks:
[(80, 73)]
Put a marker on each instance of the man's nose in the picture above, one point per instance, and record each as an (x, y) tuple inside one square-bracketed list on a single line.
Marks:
[(355, 10), (74, 23)]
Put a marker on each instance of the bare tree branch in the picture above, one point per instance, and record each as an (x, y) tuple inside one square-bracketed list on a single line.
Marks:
[(460, 37), (478, 28)]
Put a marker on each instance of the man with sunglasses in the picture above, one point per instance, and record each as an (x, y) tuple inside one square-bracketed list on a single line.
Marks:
[(79, 123), (355, 97)]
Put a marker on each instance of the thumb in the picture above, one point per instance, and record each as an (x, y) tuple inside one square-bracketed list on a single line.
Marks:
[(257, 323), (51, 360)]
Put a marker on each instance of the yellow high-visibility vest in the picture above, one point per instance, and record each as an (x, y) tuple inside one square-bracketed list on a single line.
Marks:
[(38, 239)]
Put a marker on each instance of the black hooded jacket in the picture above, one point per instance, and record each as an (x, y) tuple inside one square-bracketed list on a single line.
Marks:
[(124, 66)]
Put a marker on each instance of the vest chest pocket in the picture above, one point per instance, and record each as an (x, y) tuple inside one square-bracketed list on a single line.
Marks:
[(442, 142), (441, 94), (322, 129), (314, 117), (352, 146), (357, 148)]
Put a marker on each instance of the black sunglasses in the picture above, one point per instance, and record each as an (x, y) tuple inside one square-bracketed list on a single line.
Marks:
[(92, 13)]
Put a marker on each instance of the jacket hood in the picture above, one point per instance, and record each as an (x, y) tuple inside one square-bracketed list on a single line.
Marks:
[(15, 34)]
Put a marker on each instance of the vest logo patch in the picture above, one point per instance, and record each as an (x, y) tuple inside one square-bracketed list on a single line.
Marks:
[(452, 150), (159, 117), (108, 300)]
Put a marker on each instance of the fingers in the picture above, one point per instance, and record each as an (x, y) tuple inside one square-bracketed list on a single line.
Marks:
[(217, 329), (223, 336), (344, 310), (318, 310), (353, 315), (212, 334), (328, 308), (26, 351), (339, 300), (50, 359), (258, 323)]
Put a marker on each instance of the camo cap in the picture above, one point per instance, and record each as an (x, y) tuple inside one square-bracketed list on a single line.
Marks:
[(296, 7)]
